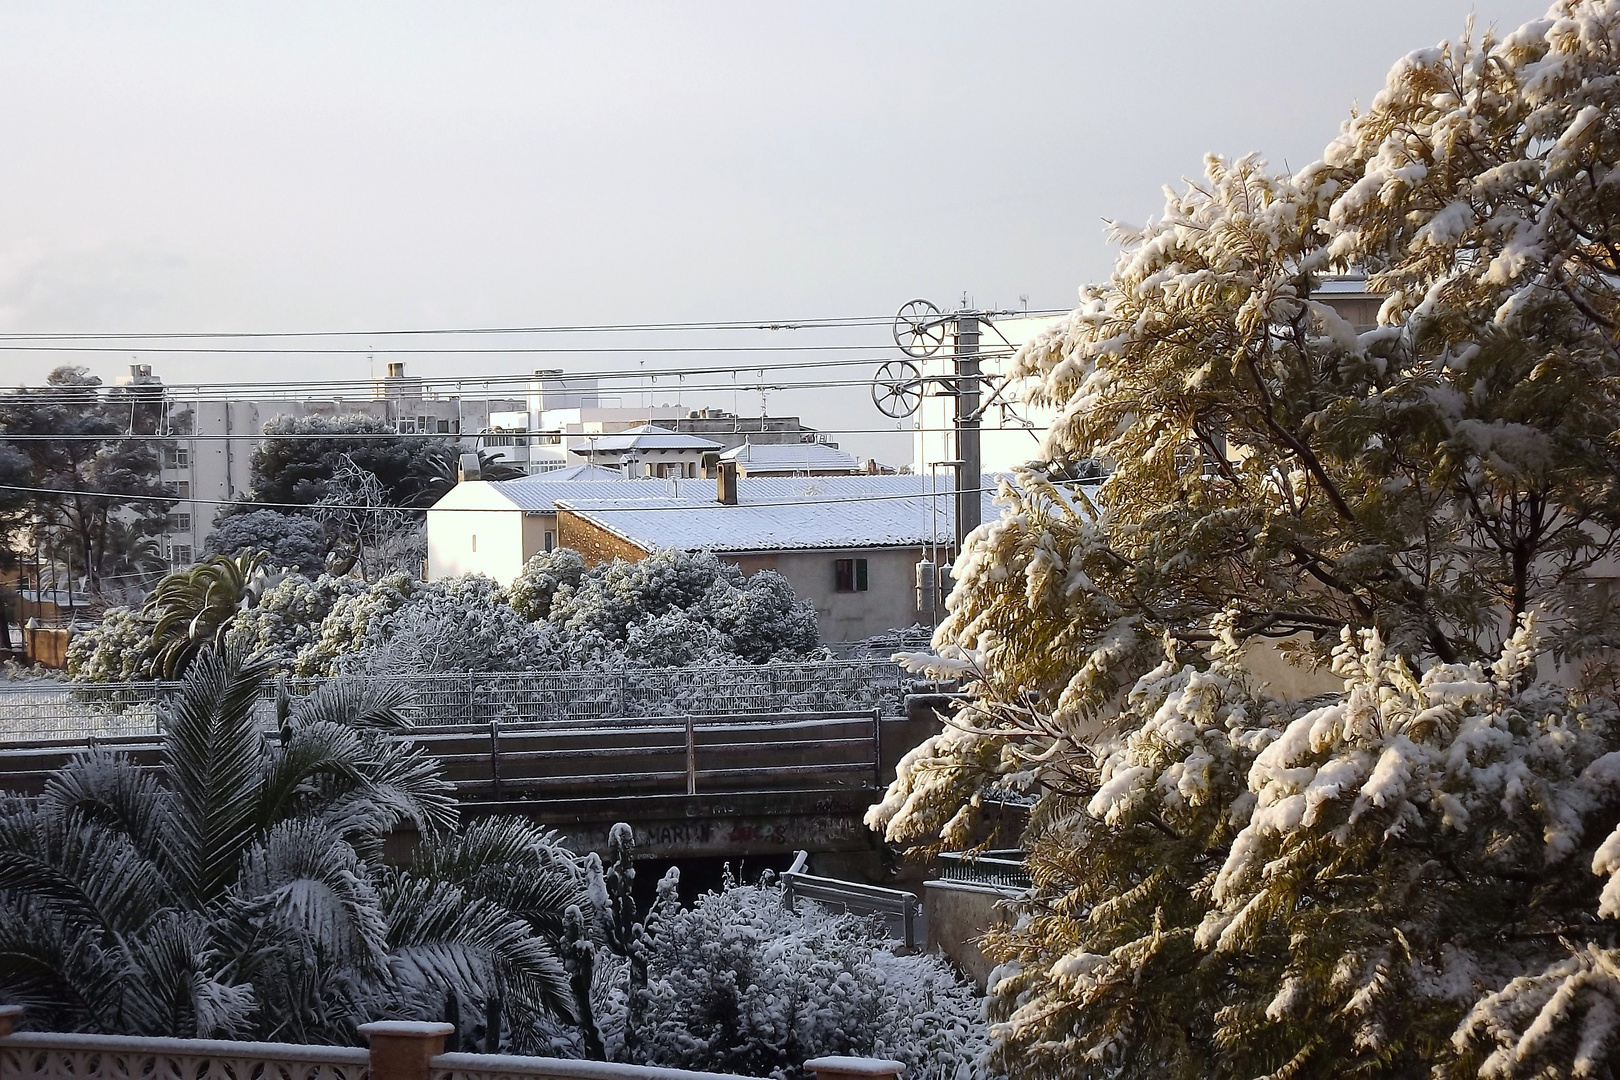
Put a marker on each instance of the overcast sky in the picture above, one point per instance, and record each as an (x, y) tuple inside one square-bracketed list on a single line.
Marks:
[(295, 166)]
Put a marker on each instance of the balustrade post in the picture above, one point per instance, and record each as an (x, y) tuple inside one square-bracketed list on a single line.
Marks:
[(403, 1049), (8, 1018), (854, 1068)]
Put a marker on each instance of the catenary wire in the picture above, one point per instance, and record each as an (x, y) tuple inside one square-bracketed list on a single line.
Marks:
[(156, 393), (821, 323), (687, 506)]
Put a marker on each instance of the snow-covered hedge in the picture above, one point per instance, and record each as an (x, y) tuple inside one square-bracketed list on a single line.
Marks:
[(670, 610), (737, 983)]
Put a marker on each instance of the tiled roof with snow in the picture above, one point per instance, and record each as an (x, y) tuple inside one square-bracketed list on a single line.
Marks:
[(575, 473), (539, 494), (645, 437), (784, 513), (789, 457)]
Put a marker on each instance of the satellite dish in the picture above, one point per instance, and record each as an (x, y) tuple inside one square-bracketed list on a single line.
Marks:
[(919, 329), (897, 389)]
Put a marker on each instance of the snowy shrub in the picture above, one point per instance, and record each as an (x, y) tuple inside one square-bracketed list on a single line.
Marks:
[(737, 983), (672, 610), (545, 573), (288, 617), (119, 649), (457, 625), (752, 618)]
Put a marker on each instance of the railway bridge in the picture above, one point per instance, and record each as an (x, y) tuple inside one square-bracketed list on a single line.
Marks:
[(717, 786)]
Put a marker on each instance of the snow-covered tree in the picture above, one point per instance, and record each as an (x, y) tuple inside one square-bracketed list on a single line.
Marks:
[(737, 983), (674, 608), (290, 541), (240, 889), (1232, 884)]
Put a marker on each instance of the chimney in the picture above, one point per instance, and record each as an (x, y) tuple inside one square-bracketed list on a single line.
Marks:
[(726, 488), (468, 468)]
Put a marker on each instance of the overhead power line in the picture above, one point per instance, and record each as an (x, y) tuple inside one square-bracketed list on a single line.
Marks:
[(823, 323), (344, 436), (943, 493), (441, 385)]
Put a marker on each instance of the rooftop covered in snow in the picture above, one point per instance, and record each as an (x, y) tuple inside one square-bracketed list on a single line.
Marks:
[(780, 513), (755, 459), (644, 437)]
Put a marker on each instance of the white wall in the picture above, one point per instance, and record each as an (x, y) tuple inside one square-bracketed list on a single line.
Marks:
[(474, 530), (889, 603)]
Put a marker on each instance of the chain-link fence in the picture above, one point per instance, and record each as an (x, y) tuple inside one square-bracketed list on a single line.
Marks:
[(43, 710)]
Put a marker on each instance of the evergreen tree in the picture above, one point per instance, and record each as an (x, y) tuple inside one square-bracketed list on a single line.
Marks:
[(89, 474), (1410, 876)]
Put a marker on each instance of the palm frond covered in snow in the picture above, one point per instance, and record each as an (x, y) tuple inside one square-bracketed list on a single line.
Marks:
[(239, 890)]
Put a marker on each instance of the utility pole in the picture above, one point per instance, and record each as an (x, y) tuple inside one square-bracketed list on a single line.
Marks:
[(968, 469)]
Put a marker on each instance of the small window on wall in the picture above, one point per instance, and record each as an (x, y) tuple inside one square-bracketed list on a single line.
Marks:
[(551, 540), (849, 575), (475, 541)]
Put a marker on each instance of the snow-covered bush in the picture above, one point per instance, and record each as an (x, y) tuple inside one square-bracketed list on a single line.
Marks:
[(737, 983), (753, 618), (287, 620), (671, 610), (545, 573), (119, 649), (457, 625)]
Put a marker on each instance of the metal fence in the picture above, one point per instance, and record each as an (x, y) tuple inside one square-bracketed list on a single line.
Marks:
[(1003, 868), (44, 710)]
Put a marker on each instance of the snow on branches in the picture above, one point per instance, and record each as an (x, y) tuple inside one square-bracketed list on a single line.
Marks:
[(1417, 871)]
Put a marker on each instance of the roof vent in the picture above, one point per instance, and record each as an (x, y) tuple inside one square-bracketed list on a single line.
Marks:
[(468, 467)]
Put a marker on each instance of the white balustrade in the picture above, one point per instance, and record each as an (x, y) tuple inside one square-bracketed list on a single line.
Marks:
[(61, 1056)]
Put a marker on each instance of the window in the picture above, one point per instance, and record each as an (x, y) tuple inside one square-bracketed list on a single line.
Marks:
[(551, 539), (176, 458), (183, 489), (180, 555), (475, 541), (849, 575), (178, 523), (444, 427)]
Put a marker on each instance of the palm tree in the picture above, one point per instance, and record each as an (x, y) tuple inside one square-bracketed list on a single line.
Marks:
[(240, 890), (192, 608)]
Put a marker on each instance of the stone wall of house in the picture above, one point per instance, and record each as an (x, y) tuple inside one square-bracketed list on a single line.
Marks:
[(595, 543)]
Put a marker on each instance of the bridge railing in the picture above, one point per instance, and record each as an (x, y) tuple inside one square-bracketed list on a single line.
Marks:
[(578, 760), (44, 710), (660, 756)]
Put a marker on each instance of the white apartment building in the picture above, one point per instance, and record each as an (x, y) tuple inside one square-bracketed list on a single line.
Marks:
[(210, 460), (565, 416)]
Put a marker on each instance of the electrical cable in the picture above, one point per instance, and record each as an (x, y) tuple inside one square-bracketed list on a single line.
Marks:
[(819, 323), (436, 388), (684, 505)]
